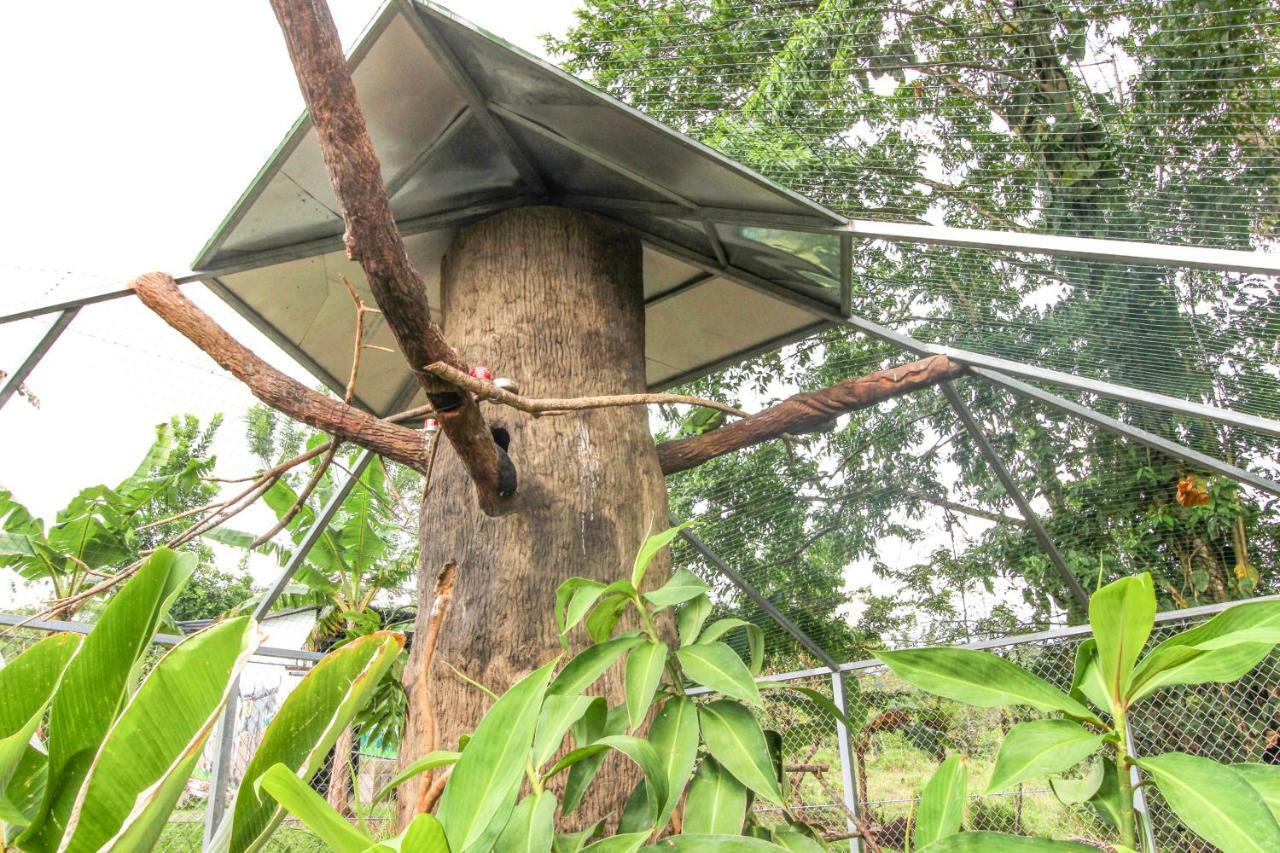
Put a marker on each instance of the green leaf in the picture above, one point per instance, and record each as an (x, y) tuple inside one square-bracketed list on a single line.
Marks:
[(645, 663), (674, 736), (1109, 800), (719, 668), (996, 842), (691, 616), (755, 638), (430, 761), (481, 791), (736, 740), (716, 803), (628, 843), (153, 746), (979, 678), (574, 598), (309, 807), (424, 834), (1121, 614), (639, 751), (1072, 792), (1087, 682), (683, 586), (596, 723), (96, 683), (821, 700), (1214, 801), (531, 828), (1180, 660), (1036, 749), (635, 811), (942, 802), (557, 715), (27, 684), (591, 663), (305, 729), (573, 842), (717, 844), (797, 842), (650, 549), (1265, 779)]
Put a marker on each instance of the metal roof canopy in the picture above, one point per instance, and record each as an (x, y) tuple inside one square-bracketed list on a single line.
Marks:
[(465, 126)]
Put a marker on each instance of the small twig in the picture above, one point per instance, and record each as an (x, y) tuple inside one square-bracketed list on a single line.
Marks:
[(300, 501), (434, 792), (431, 639), (537, 407)]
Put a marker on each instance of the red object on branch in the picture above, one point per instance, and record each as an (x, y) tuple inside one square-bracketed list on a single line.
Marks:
[(482, 372), (431, 425)]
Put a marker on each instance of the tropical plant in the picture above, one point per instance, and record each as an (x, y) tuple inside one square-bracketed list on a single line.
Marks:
[(713, 753), (96, 747), (1234, 807)]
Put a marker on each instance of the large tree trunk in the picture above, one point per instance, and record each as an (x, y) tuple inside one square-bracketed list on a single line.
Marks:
[(552, 299)]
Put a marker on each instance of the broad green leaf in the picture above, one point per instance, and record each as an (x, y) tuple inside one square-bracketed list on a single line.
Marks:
[(480, 793), (691, 616), (1072, 792), (716, 803), (95, 685), (650, 549), (717, 844), (604, 617), (683, 586), (1214, 801), (557, 715), (27, 684), (574, 598), (531, 827), (635, 812), (755, 638), (151, 749), (1036, 749), (797, 842), (942, 800), (674, 736), (596, 723), (997, 842), (628, 843), (430, 761), (736, 740), (1265, 779), (718, 667), (573, 842), (302, 802), (1087, 682), (305, 729), (645, 663), (979, 678), (424, 834), (1121, 614), (591, 663), (1109, 800), (1181, 660), (639, 750)]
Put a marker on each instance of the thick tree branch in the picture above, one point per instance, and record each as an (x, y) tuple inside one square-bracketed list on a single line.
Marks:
[(806, 412), (160, 293), (373, 240)]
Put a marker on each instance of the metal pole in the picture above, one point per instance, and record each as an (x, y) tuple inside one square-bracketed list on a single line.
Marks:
[(755, 595), (38, 352), (848, 774), (226, 725), (1147, 839), (1010, 485)]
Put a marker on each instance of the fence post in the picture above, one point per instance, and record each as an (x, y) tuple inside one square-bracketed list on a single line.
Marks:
[(1147, 842), (223, 744), (847, 774)]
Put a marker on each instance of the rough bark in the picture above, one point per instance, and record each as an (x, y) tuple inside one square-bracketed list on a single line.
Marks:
[(553, 299), (373, 240), (806, 412), (339, 793), (160, 293)]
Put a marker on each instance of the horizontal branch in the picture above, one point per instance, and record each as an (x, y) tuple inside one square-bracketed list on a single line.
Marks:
[(160, 293), (485, 390), (806, 412)]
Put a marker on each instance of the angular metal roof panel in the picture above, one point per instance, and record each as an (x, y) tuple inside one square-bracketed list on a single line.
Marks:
[(464, 126)]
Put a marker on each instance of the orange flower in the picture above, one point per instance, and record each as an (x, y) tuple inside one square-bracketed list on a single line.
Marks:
[(1191, 492)]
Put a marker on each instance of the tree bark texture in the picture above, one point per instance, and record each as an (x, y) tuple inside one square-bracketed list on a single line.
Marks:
[(553, 299), (373, 239)]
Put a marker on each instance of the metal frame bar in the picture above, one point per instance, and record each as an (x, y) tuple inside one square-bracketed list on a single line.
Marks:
[(37, 353), (436, 44), (846, 274), (424, 156), (988, 452), (755, 595), (848, 776)]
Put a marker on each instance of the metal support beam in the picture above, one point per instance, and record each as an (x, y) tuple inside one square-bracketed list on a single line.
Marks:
[(1011, 486), (37, 353), (424, 156), (439, 48), (755, 595), (848, 774)]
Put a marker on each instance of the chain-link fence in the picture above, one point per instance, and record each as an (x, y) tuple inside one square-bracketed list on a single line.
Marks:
[(859, 785)]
